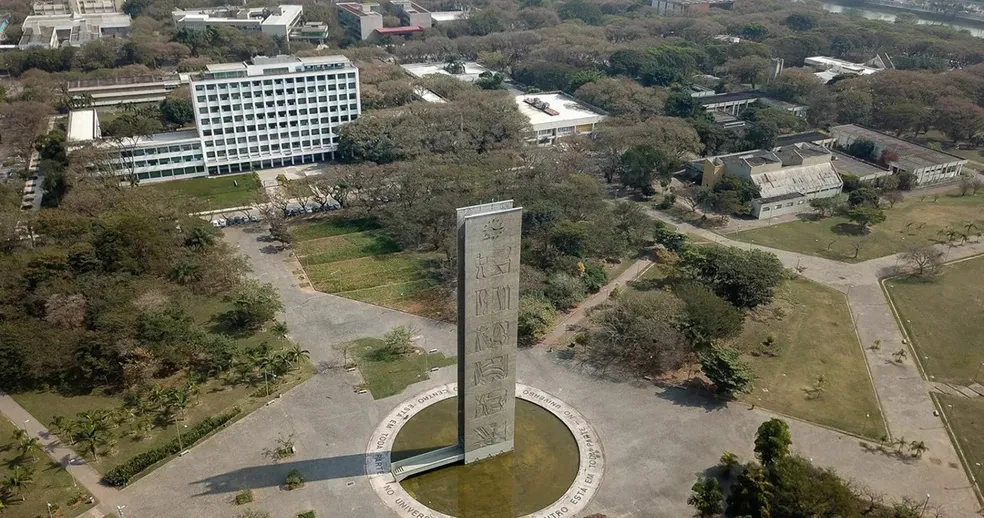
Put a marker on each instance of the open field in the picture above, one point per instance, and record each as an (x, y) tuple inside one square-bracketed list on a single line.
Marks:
[(214, 192), (914, 222), (944, 317), (814, 336), (50, 483), (386, 374), (216, 396), (966, 419), (352, 258)]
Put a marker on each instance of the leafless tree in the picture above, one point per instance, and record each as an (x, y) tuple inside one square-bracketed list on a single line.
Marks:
[(923, 261), (299, 191), (858, 243), (893, 197)]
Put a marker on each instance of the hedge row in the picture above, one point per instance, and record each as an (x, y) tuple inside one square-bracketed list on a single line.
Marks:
[(120, 475)]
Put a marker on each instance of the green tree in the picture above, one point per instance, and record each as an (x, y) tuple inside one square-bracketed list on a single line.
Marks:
[(681, 104), (725, 368), (177, 108), (641, 165), (399, 340), (745, 278), (864, 217), (535, 318), (709, 317), (862, 148), (706, 497), (751, 494), (772, 441), (18, 480), (254, 304)]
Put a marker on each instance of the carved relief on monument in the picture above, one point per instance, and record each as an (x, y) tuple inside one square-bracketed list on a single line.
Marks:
[(492, 433), (489, 301), (492, 337), (499, 262), (491, 402), (491, 370)]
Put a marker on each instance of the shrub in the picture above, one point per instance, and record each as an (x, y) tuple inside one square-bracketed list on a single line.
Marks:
[(294, 480), (306, 514), (724, 367), (595, 276), (535, 318), (244, 497), (564, 290), (120, 475)]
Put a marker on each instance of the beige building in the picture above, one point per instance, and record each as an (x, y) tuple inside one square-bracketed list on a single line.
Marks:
[(929, 166), (365, 20), (787, 179)]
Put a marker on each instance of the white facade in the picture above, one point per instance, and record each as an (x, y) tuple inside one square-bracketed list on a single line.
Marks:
[(929, 166), (51, 31), (556, 115), (162, 157), (274, 112), (278, 21)]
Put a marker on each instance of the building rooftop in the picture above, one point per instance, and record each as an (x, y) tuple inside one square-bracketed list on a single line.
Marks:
[(912, 156), (752, 158), (282, 64), (807, 136), (472, 70), (448, 16), (406, 29), (795, 179), (840, 65), (359, 9), (82, 126), (730, 97), (287, 15), (556, 109), (169, 137), (847, 164)]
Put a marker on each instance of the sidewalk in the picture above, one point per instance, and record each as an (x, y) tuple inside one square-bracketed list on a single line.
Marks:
[(580, 311), (61, 453)]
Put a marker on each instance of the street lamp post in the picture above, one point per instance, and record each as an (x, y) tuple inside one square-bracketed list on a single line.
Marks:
[(49, 509), (925, 506), (865, 425)]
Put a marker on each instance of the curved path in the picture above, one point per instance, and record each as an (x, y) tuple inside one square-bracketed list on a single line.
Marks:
[(903, 392)]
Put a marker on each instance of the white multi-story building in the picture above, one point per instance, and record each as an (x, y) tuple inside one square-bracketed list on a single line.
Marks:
[(273, 112), (276, 21), (269, 112)]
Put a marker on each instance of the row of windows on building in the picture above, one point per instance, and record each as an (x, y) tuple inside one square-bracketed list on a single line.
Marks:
[(281, 92), (270, 82), (233, 119), (265, 137), (266, 127), (177, 171), (259, 106), (281, 103), (271, 148), (176, 148)]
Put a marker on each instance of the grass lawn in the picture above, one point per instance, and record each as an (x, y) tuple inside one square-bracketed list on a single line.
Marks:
[(51, 484), (966, 419), (834, 237), (214, 192), (386, 374), (352, 258), (944, 317), (814, 336), (216, 396), (947, 145)]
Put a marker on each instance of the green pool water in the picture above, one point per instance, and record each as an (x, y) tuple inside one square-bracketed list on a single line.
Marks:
[(538, 472)]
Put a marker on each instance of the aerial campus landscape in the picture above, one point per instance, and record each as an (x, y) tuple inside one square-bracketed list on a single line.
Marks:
[(577, 258)]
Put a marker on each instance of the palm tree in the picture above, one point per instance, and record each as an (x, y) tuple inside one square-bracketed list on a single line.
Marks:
[(918, 448), (193, 388), (19, 434), (30, 446), (296, 355), (18, 479), (58, 424), (280, 329), (900, 445), (90, 436), (178, 398)]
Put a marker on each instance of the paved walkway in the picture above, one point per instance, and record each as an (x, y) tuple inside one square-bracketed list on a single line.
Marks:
[(61, 453), (577, 314), (656, 440), (902, 391)]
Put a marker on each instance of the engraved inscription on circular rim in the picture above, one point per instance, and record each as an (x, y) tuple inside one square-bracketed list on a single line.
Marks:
[(591, 465)]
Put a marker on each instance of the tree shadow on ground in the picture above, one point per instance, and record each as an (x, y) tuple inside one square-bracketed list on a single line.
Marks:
[(272, 249), (690, 393), (273, 475), (848, 229), (808, 216)]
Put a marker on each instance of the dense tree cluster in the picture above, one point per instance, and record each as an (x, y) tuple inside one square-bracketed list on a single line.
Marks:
[(101, 291), (784, 485)]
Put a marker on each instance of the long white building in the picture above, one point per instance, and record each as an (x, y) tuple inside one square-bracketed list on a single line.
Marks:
[(269, 112), (273, 112)]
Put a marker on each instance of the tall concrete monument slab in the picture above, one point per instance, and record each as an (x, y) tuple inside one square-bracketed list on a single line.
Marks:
[(488, 308)]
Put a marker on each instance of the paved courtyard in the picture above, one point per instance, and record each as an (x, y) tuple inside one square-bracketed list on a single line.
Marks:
[(656, 441)]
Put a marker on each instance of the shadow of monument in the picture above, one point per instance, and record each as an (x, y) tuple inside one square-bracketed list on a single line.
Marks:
[(273, 475)]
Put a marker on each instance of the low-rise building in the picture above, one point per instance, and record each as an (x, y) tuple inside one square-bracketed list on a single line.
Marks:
[(554, 115), (828, 68), (671, 7), (469, 73), (52, 31), (928, 165), (126, 90), (365, 20), (863, 171), (49, 7), (817, 138), (787, 179), (277, 21), (736, 102)]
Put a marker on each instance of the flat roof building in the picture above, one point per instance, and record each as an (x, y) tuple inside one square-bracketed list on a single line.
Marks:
[(736, 102), (555, 115), (786, 179), (268, 112), (828, 68), (127, 90), (818, 138), (365, 20), (929, 166), (49, 7), (52, 31), (472, 70), (277, 21)]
